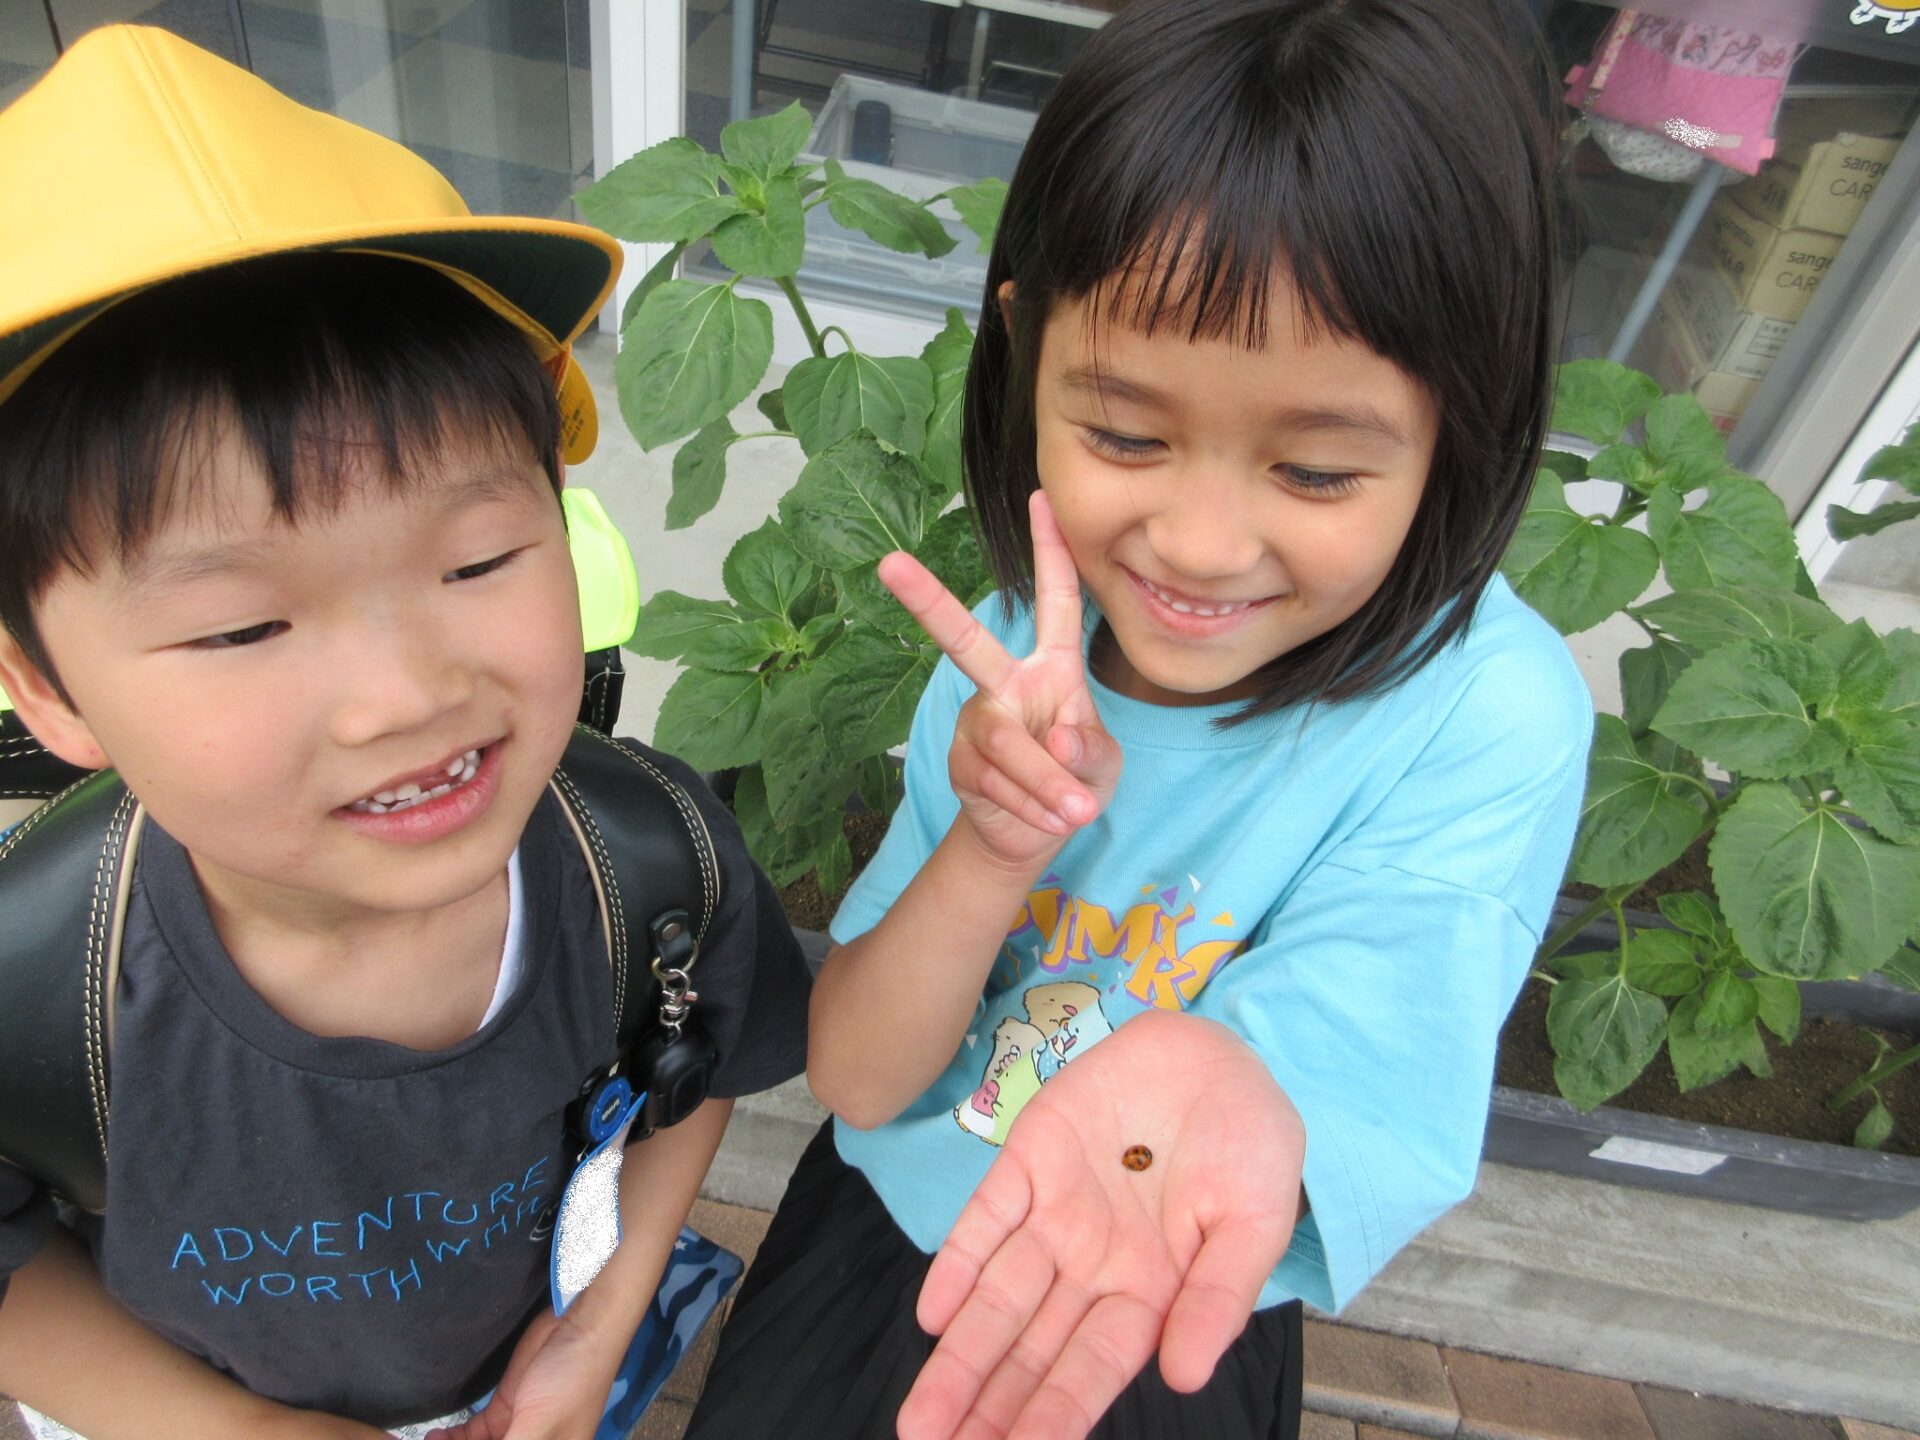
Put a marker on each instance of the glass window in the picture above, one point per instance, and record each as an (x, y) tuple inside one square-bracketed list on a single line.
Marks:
[(920, 95), (1726, 161), (495, 93)]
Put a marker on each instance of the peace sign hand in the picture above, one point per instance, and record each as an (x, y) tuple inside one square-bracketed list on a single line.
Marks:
[(1031, 762)]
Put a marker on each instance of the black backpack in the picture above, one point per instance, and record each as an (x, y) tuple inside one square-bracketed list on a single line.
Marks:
[(64, 875)]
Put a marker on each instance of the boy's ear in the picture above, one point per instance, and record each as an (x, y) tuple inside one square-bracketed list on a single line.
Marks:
[(1004, 295), (54, 723)]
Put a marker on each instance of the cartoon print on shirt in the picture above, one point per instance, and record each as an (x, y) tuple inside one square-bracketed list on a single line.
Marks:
[(1007, 1084), (1069, 1015), (1063, 1019)]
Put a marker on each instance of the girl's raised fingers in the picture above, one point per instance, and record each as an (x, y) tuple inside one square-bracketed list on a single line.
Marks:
[(1056, 584), (1004, 744), (963, 639)]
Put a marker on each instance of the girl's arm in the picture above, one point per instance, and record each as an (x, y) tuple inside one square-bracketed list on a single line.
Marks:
[(1030, 763), (70, 1350)]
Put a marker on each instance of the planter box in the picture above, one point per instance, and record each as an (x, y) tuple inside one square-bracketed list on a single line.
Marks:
[(1709, 1162), (1713, 1162)]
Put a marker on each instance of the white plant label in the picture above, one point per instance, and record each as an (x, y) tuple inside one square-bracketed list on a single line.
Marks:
[(1652, 1155)]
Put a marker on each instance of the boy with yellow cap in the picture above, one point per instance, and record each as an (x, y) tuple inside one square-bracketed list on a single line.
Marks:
[(282, 433)]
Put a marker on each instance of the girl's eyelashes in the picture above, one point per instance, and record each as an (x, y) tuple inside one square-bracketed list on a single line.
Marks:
[(233, 639), (1325, 483), (1120, 447), (483, 567)]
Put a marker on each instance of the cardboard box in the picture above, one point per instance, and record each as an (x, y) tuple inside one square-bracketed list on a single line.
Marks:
[(1667, 351), (1771, 272), (1825, 188), (1730, 339)]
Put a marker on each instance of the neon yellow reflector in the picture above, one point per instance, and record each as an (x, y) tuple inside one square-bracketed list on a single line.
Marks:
[(609, 585)]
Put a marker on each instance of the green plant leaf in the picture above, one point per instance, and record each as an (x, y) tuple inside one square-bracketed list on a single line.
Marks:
[(833, 865), (870, 603), (1880, 773), (1637, 815), (746, 183), (668, 192), (979, 205), (1726, 1004), (1661, 962), (766, 575), (1702, 1053), (774, 407), (692, 354), (767, 145), (1705, 619), (881, 784), (1646, 678), (876, 212), (705, 634), (710, 719), (1573, 570), (1631, 465), (770, 242), (1744, 706), (830, 398), (670, 623), (1779, 1005), (1603, 1032), (946, 358), (868, 687), (1564, 464), (1876, 1128), (855, 502), (805, 778), (951, 551), (1904, 968), (786, 854), (1806, 895), (1903, 696), (1845, 524), (1862, 666), (1693, 912), (821, 631), (699, 472), (1597, 399), (1688, 451), (1899, 463), (1740, 536), (657, 275)]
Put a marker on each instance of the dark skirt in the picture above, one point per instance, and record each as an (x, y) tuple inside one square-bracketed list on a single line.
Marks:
[(822, 1341)]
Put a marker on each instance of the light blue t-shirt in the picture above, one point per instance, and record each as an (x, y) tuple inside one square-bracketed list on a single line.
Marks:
[(1355, 889)]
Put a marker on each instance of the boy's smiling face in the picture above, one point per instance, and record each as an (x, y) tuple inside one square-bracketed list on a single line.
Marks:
[(273, 691)]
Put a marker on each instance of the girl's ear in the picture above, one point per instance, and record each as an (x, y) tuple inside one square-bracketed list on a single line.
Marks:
[(1004, 295), (45, 711)]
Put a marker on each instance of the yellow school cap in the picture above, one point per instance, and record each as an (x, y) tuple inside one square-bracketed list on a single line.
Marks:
[(139, 158)]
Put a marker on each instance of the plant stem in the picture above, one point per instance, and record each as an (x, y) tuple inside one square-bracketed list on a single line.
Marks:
[(764, 435), (792, 292), (845, 339), (1545, 976), (1557, 941), (1873, 1077)]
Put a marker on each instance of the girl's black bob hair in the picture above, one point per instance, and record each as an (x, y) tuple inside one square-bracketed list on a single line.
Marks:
[(1395, 160)]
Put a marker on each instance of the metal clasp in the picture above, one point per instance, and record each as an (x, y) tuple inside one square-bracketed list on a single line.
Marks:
[(675, 952)]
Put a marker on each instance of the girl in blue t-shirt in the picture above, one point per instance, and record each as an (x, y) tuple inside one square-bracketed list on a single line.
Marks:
[(1231, 827)]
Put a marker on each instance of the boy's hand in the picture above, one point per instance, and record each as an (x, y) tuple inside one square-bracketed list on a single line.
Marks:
[(1031, 762), (1067, 1268), (555, 1387)]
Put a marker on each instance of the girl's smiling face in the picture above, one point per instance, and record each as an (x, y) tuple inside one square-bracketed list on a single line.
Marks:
[(1224, 505)]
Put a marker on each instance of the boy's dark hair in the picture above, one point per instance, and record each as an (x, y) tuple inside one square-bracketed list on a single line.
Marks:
[(1395, 156), (306, 356)]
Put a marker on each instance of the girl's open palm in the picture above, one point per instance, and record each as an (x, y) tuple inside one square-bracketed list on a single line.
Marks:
[(1030, 762), (1068, 1269)]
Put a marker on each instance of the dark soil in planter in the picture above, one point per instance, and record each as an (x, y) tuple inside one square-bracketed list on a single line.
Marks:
[(1827, 1055), (803, 901)]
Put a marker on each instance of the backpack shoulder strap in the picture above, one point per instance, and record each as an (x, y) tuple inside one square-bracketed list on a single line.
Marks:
[(650, 854), (63, 888)]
